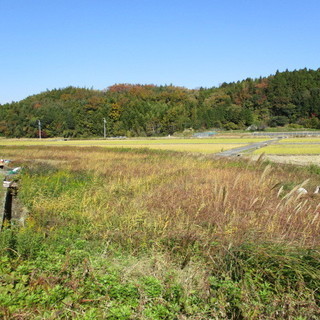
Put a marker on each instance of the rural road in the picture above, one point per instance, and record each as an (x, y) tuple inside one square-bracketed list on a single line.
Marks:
[(237, 151)]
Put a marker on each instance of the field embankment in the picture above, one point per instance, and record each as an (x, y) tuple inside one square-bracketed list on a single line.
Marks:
[(142, 234)]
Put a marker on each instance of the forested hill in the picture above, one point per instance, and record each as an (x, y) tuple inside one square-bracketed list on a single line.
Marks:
[(286, 98)]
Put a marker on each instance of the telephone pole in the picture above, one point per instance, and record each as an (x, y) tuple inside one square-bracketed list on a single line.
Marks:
[(104, 128)]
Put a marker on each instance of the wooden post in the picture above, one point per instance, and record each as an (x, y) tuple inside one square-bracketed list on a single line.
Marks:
[(7, 214)]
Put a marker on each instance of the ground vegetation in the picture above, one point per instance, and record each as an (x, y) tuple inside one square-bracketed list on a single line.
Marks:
[(145, 234)]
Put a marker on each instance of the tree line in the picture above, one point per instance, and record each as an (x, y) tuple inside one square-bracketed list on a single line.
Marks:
[(290, 98)]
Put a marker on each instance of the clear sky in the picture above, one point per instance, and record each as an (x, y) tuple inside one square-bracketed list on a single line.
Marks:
[(46, 44)]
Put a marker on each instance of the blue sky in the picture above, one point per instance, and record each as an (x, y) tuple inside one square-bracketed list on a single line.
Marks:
[(47, 44)]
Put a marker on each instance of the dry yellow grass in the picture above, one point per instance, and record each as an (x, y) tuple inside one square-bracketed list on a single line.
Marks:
[(147, 196)]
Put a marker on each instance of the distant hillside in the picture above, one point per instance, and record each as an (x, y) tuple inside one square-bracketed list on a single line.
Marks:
[(286, 98)]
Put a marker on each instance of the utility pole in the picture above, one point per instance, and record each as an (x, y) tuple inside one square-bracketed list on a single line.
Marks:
[(104, 128), (39, 126)]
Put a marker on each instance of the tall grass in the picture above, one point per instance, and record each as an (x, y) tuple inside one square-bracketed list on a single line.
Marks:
[(187, 237), (180, 193)]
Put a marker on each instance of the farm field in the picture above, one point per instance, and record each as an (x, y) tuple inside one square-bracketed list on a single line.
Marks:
[(147, 234), (191, 148), (296, 159), (299, 151), (290, 149), (213, 145), (301, 140)]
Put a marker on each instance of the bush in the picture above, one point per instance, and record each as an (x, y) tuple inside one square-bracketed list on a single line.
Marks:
[(230, 126)]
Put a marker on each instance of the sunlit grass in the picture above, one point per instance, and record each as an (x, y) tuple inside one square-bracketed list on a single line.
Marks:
[(289, 149)]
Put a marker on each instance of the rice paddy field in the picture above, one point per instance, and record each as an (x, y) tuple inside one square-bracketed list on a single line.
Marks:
[(133, 233), (301, 140), (207, 146), (293, 146), (287, 146), (290, 149)]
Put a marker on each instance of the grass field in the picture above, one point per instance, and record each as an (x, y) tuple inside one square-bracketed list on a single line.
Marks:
[(147, 234)]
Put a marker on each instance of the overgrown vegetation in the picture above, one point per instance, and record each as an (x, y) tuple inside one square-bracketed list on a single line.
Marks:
[(137, 234), (285, 99)]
